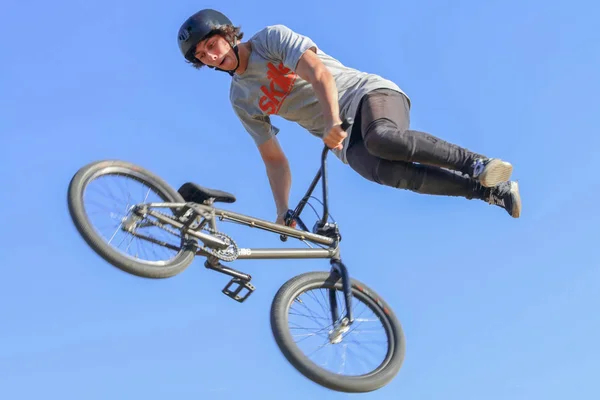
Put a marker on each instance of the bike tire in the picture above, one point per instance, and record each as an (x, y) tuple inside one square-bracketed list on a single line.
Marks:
[(351, 384), (76, 190)]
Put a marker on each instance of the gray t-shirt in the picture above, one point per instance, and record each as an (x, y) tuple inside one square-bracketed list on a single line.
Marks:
[(269, 86)]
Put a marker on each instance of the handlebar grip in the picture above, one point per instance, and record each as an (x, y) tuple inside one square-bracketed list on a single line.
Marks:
[(346, 123), (288, 219)]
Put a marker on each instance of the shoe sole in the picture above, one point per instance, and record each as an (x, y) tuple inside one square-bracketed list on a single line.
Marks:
[(516, 205), (495, 172)]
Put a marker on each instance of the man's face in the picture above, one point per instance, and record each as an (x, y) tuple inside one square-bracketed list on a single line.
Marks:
[(216, 52)]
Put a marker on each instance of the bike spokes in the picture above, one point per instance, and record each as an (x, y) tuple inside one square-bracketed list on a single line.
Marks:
[(109, 202), (341, 347)]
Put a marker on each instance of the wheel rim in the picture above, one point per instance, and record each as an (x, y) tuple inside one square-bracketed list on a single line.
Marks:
[(107, 206)]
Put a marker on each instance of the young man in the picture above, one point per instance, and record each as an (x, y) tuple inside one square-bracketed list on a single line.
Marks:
[(280, 72)]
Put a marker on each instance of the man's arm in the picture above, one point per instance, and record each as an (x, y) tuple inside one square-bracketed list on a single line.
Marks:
[(311, 69), (278, 171)]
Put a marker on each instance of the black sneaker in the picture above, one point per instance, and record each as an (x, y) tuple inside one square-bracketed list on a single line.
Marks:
[(506, 195), (490, 171)]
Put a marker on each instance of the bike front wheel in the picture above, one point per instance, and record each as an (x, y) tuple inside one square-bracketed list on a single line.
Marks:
[(302, 326), (101, 199)]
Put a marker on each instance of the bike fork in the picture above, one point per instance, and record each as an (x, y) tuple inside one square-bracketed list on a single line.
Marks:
[(338, 268)]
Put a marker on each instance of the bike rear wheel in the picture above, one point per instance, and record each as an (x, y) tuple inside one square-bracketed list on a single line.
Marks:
[(181, 255), (289, 303)]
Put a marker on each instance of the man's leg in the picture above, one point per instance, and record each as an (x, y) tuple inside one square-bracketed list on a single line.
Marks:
[(426, 179), (384, 119)]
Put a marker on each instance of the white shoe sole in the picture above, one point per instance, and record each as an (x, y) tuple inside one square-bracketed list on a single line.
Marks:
[(516, 205), (495, 172)]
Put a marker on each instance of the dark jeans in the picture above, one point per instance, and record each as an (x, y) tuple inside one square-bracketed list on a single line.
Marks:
[(382, 149)]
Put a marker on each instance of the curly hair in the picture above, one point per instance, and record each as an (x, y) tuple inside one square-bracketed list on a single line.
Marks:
[(229, 32)]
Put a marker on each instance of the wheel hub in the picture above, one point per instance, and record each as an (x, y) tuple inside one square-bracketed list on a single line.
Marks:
[(336, 334)]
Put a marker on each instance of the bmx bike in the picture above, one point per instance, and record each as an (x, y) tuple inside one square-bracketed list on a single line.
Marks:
[(188, 220)]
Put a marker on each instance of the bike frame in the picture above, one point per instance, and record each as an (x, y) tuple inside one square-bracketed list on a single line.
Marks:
[(209, 214), (325, 234)]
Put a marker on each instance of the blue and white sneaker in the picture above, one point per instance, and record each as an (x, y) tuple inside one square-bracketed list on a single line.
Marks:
[(491, 171), (507, 196)]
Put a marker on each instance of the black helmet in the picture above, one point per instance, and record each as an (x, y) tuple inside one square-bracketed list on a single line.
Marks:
[(199, 26)]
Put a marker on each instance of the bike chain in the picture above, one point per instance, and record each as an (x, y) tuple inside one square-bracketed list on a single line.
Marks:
[(229, 254)]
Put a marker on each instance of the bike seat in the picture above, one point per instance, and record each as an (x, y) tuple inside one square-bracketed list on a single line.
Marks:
[(198, 194)]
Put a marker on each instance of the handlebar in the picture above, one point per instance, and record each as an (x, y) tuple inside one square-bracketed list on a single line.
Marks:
[(291, 215)]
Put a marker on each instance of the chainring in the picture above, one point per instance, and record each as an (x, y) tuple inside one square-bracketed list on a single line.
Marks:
[(230, 253)]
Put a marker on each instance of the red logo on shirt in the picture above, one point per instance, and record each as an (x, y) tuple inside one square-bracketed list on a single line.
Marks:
[(281, 83)]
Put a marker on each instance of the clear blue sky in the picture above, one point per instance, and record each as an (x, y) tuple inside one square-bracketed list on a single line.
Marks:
[(493, 308)]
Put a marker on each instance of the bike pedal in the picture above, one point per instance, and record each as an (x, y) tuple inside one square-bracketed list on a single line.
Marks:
[(235, 293)]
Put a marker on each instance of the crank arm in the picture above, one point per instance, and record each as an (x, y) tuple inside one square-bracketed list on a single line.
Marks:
[(239, 287)]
